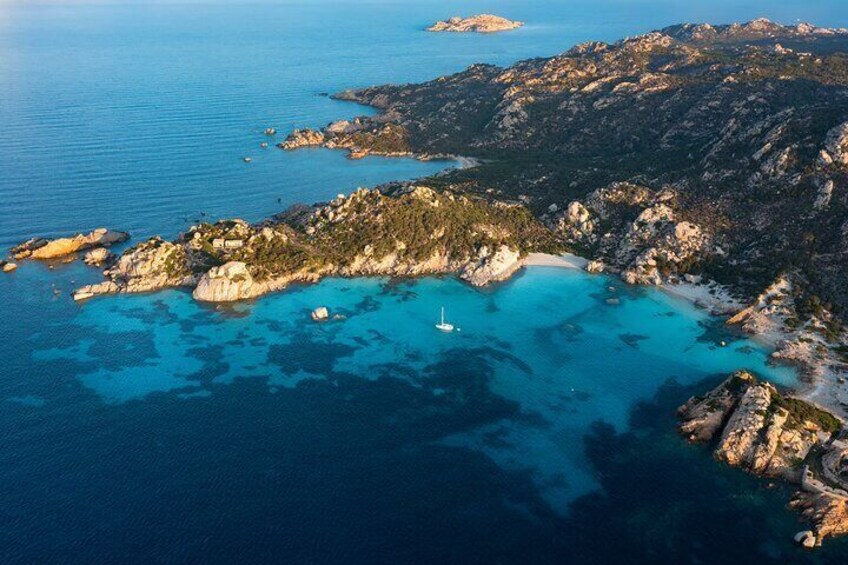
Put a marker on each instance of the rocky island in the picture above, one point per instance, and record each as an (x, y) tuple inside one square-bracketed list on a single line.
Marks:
[(481, 23)]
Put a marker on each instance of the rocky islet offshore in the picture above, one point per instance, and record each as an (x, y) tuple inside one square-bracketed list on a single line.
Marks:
[(481, 23)]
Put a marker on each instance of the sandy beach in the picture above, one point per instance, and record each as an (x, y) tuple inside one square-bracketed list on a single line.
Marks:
[(565, 261)]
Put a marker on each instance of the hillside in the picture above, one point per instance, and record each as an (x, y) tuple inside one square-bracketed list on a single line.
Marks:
[(716, 150)]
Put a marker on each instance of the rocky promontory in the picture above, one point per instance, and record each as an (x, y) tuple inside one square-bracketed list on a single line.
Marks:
[(481, 23), (757, 428), (42, 248), (403, 230)]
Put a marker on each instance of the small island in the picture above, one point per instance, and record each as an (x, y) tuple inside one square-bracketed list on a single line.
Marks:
[(481, 23)]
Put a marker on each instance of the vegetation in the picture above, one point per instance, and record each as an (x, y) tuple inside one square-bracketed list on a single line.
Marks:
[(801, 412), (732, 122)]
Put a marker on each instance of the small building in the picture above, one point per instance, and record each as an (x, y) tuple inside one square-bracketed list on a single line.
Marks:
[(233, 243), (218, 243)]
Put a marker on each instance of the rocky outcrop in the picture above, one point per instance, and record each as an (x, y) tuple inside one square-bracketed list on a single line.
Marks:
[(490, 267), (149, 266), (98, 257), (360, 137), (802, 329), (595, 267), (321, 314), (763, 437), (760, 430), (303, 138), (41, 248), (228, 283), (836, 146), (482, 23), (642, 238), (827, 514), (703, 418), (7, 266)]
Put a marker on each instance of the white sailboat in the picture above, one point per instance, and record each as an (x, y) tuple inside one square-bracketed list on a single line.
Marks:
[(444, 326)]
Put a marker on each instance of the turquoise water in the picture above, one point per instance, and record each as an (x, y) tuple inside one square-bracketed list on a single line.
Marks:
[(152, 428)]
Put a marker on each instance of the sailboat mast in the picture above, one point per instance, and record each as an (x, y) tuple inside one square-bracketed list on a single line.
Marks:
[(443, 315)]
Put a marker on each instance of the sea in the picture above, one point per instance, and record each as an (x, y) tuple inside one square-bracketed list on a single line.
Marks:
[(154, 429)]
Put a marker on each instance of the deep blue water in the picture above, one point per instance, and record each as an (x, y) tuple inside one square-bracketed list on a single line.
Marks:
[(153, 429)]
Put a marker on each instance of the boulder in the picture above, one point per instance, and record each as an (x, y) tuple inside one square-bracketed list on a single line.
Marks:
[(8, 267), (836, 145), (806, 539), (595, 266), (320, 314), (98, 256)]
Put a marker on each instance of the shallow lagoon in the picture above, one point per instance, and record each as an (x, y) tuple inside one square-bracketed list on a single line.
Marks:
[(548, 342)]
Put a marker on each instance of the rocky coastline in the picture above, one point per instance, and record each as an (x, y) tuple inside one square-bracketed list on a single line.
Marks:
[(401, 231), (481, 23), (755, 427), (709, 160)]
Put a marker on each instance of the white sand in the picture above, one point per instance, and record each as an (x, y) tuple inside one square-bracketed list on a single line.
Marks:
[(713, 297), (565, 261)]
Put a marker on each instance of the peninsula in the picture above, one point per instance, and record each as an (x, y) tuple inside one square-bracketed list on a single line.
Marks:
[(755, 427), (400, 230)]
